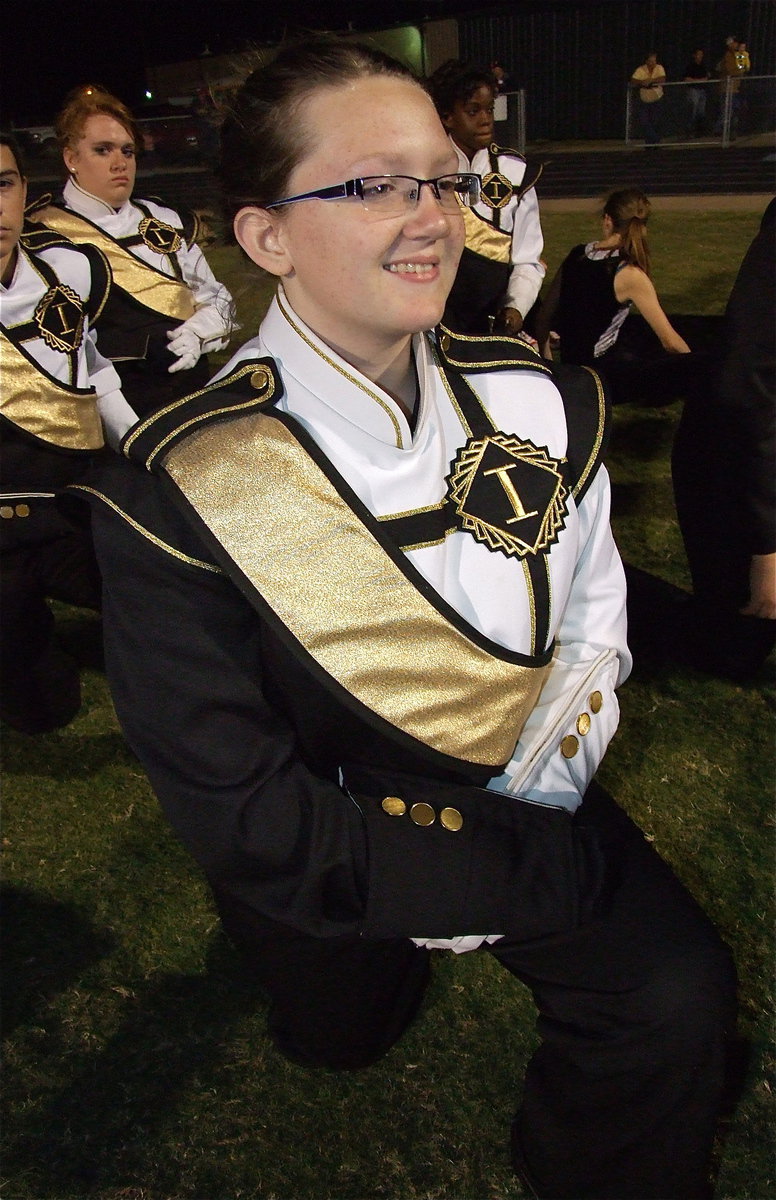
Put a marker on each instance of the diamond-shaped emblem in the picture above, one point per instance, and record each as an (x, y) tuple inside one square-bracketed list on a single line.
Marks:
[(59, 316), (509, 494), (159, 236), (496, 190)]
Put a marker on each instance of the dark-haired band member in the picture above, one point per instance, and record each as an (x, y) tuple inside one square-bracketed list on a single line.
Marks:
[(501, 268), (364, 623), (57, 392)]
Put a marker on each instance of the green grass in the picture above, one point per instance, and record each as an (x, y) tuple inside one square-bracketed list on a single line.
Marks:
[(136, 1061)]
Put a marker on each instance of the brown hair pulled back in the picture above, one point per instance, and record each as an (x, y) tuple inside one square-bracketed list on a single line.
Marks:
[(628, 210), (89, 101), (263, 138)]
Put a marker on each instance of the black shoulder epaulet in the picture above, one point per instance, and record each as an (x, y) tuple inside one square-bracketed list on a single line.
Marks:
[(531, 175), (491, 352), (252, 385), (494, 148), (588, 419), (40, 237), (37, 205)]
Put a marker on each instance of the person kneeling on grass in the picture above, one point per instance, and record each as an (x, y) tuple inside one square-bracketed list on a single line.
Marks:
[(364, 622)]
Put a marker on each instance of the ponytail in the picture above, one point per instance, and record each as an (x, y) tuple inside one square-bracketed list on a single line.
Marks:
[(629, 211)]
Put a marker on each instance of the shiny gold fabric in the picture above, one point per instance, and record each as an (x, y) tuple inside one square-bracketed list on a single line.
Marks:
[(483, 239), (49, 410), (342, 597), (151, 288)]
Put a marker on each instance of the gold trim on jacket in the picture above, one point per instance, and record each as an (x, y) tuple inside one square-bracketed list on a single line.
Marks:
[(43, 406), (148, 286), (483, 239), (336, 589)]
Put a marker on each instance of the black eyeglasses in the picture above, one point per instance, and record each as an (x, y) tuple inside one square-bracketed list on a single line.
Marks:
[(394, 195)]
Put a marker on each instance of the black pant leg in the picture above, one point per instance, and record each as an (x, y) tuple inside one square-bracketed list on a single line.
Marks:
[(334, 1002), (635, 1010)]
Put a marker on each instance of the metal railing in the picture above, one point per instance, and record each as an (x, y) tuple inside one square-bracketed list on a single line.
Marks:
[(716, 112)]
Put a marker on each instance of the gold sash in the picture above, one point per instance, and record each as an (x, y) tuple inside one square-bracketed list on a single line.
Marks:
[(333, 586), (52, 411), (483, 239), (150, 287)]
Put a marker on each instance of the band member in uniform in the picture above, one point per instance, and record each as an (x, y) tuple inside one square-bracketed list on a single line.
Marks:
[(501, 269), (364, 623), (167, 309), (56, 387)]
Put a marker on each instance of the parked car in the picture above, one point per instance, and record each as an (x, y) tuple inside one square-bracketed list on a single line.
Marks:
[(170, 135), (37, 141)]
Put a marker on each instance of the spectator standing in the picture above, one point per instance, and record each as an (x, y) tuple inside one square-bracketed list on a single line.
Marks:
[(167, 310), (648, 80), (501, 270), (732, 67), (696, 73)]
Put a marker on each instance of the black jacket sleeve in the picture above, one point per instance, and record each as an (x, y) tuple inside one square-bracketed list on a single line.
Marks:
[(183, 654), (747, 383)]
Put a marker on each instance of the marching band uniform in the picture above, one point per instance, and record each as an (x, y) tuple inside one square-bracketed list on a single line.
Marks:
[(58, 390), (501, 263), (370, 671), (162, 282)]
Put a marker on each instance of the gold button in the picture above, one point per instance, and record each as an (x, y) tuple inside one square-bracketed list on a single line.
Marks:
[(595, 702), (260, 379), (569, 746), (6, 511), (444, 343), (583, 723), (394, 806), (422, 814), (451, 819), (22, 510)]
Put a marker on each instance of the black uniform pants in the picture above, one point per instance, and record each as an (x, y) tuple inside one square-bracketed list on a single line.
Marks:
[(620, 1101), (42, 558)]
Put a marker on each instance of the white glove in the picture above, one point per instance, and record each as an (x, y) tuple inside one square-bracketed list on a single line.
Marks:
[(116, 416), (210, 324), (186, 345)]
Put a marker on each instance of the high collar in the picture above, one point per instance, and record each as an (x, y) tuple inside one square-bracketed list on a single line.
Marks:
[(328, 388), (90, 206)]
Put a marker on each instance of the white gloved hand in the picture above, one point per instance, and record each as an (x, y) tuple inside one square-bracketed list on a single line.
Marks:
[(210, 324), (186, 345)]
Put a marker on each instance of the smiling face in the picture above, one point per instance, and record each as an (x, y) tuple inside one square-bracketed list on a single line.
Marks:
[(13, 196), (364, 284), (470, 124), (103, 159)]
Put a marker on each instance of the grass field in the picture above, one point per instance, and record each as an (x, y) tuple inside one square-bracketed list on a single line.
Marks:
[(136, 1061)]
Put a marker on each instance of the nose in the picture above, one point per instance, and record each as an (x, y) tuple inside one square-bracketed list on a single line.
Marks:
[(428, 218)]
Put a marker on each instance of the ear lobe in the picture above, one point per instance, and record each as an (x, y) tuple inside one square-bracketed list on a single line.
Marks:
[(259, 233)]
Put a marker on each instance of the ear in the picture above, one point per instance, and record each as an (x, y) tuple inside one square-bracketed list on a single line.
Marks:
[(447, 121), (71, 158), (259, 232)]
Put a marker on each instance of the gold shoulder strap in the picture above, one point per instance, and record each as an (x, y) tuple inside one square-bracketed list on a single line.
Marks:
[(368, 622), (148, 286), (41, 405)]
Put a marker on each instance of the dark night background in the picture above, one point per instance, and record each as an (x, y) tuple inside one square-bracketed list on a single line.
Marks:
[(48, 48)]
